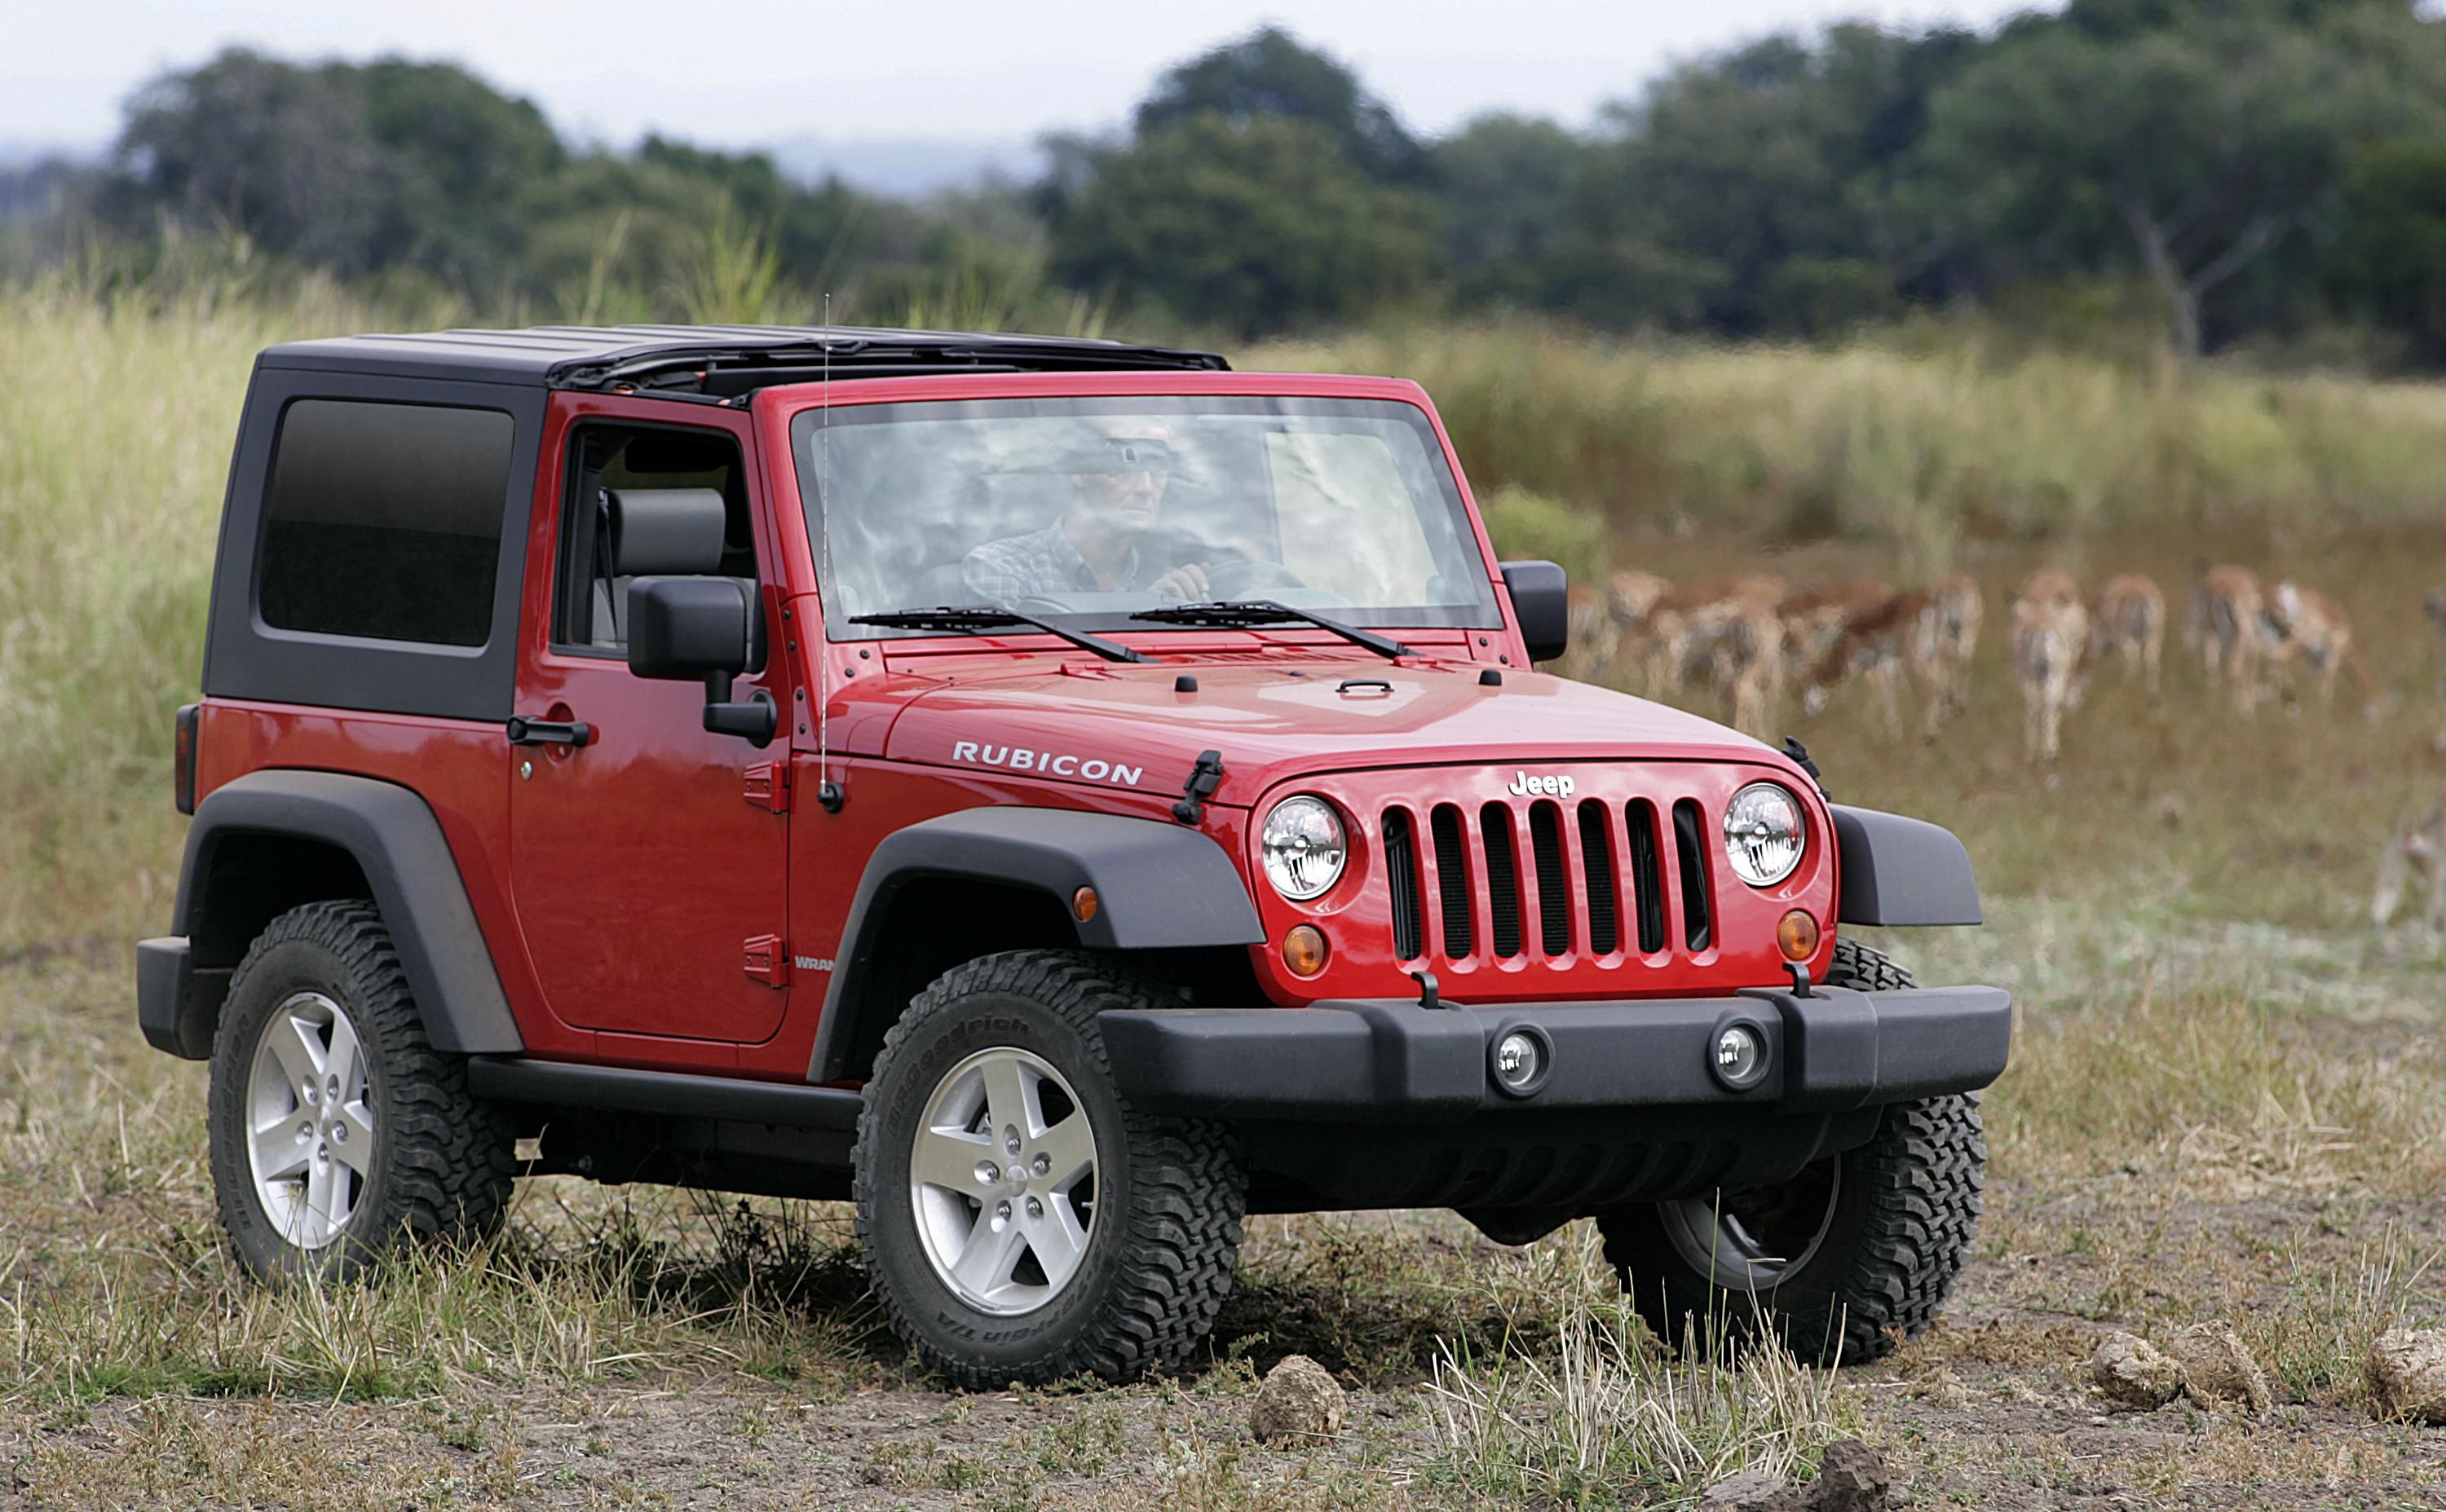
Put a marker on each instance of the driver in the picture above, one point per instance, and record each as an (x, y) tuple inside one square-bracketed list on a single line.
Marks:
[(1117, 480)]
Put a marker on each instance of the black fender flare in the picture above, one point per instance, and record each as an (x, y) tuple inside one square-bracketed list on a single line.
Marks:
[(392, 835), (1893, 871), (1158, 885)]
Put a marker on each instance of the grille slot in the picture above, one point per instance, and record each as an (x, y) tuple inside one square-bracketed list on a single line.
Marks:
[(1401, 876), (1646, 876), (1698, 921), (1502, 879), (1596, 863), (1553, 889), (1451, 881)]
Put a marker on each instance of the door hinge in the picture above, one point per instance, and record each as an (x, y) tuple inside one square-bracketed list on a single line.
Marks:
[(767, 962), (768, 786)]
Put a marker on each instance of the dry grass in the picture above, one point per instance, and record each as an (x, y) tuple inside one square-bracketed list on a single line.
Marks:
[(2228, 1097)]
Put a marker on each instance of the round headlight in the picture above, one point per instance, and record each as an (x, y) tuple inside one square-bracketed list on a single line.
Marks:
[(1764, 835), (1303, 847)]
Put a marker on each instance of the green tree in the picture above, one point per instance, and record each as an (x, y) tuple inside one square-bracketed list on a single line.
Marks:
[(1505, 185), (2192, 154), (1254, 225), (2390, 263), (1271, 73)]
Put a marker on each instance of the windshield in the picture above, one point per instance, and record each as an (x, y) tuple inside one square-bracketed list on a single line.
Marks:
[(1089, 509)]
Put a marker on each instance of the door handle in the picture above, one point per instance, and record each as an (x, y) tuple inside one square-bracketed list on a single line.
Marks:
[(524, 730)]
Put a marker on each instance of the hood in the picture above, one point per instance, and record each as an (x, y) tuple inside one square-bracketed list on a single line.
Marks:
[(1128, 726)]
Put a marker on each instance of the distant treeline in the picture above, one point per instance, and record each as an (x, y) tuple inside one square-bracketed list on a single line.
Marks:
[(2192, 174)]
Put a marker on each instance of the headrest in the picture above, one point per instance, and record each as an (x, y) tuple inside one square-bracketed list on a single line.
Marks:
[(674, 531)]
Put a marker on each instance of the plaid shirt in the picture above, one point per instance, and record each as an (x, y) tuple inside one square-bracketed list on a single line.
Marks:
[(1041, 562)]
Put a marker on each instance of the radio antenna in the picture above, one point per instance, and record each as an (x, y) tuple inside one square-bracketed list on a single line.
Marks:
[(827, 792)]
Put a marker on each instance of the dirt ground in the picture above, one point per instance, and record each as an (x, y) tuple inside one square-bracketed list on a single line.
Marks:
[(2227, 1104)]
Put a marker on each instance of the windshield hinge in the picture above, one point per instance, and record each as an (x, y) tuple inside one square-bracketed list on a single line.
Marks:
[(765, 961), (768, 786), (1203, 779)]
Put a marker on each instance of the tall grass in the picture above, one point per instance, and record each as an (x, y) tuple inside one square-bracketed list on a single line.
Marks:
[(1916, 449), (118, 416)]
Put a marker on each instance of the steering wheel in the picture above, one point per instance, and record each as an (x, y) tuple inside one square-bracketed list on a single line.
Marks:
[(1243, 576)]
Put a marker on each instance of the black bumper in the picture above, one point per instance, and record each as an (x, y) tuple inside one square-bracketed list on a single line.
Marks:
[(177, 1005), (1391, 1061)]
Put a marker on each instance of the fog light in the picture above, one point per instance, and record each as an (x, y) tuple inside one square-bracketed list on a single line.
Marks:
[(1797, 934), (1737, 1056), (1303, 950), (1520, 1059)]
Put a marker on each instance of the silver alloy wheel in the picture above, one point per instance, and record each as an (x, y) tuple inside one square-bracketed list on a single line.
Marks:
[(1743, 1246), (310, 1134), (1002, 1180)]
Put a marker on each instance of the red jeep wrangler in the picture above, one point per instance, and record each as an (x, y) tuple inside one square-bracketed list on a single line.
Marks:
[(1060, 795)]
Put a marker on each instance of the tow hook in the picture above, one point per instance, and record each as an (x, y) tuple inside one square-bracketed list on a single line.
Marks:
[(1800, 978), (1428, 995), (1203, 779)]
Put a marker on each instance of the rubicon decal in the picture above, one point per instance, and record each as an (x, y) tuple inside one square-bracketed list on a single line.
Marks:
[(1052, 763), (1523, 786)]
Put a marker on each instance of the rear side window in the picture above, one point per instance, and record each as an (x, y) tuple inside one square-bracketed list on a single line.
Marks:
[(384, 521)]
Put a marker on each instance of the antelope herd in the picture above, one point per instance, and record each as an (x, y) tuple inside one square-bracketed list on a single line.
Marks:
[(1749, 640)]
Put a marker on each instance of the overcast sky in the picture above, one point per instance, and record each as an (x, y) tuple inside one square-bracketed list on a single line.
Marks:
[(752, 72)]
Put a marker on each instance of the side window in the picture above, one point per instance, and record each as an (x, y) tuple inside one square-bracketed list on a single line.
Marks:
[(384, 521), (645, 501)]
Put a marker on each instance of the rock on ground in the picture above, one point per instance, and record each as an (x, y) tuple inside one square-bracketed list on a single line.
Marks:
[(2407, 1368), (2134, 1373), (1851, 1478), (2218, 1371), (1746, 1491), (1298, 1399)]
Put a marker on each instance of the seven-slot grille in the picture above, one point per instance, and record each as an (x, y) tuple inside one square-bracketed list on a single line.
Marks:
[(1606, 895)]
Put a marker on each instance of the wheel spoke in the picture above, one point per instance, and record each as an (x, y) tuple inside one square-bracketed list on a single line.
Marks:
[(1071, 1146), (342, 1060), (279, 1154), (986, 1263), (944, 1158), (320, 1178), (1009, 1098), (298, 1049), (357, 1150), (1058, 1242)]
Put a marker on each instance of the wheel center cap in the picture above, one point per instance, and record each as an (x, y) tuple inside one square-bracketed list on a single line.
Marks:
[(1017, 1175)]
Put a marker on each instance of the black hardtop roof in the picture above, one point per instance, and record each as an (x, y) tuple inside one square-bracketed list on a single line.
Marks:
[(685, 360)]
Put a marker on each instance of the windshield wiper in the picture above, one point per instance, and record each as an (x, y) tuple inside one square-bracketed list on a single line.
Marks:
[(1241, 613), (986, 617)]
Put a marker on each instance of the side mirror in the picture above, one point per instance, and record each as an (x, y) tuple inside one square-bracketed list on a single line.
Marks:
[(1541, 600), (681, 628)]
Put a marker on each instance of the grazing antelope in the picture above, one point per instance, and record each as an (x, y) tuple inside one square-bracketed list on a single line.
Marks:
[(2127, 621), (1675, 633), (1944, 636), (1812, 621), (2434, 605), (2306, 627), (2224, 621), (1595, 636), (2413, 855), (2050, 632), (1881, 646)]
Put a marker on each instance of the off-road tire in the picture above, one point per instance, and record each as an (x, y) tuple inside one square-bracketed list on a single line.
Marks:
[(443, 1168), (1168, 1201), (1905, 1210)]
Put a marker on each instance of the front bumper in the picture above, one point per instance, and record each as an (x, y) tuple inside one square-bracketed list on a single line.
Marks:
[(1392, 1062)]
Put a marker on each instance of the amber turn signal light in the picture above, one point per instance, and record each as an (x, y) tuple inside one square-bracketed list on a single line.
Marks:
[(1084, 903), (1797, 934), (1303, 950)]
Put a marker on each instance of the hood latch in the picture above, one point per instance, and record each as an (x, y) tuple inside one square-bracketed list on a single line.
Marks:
[(1203, 779)]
